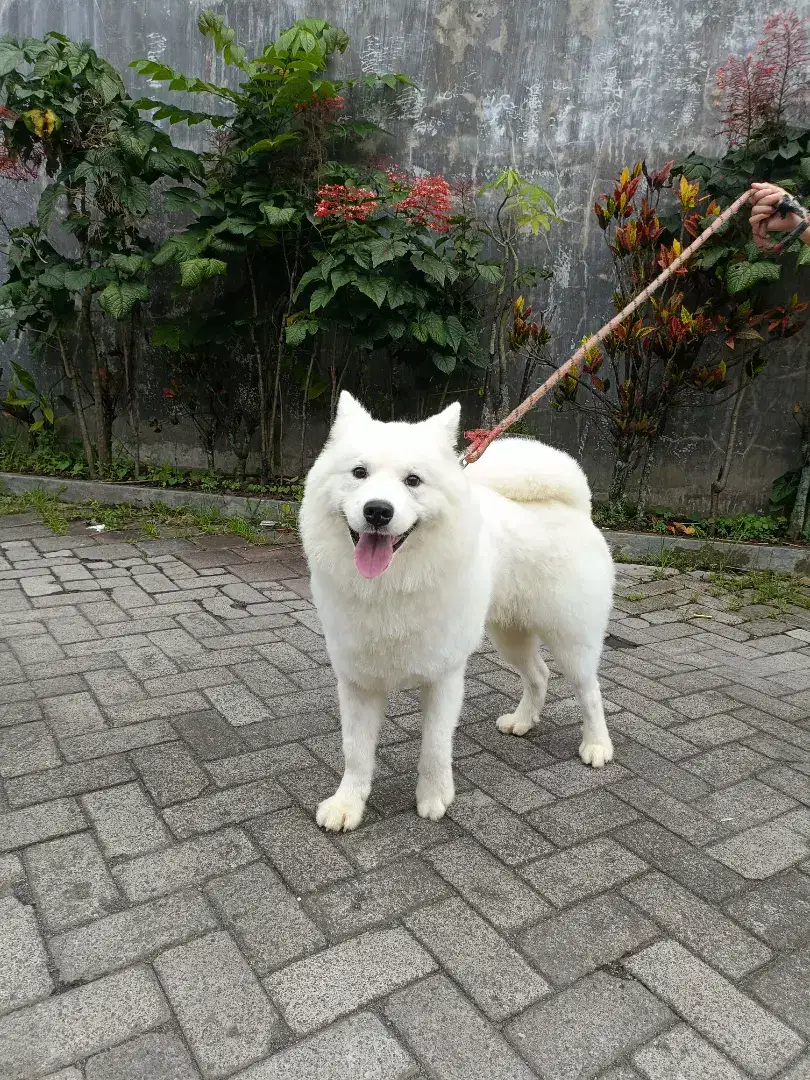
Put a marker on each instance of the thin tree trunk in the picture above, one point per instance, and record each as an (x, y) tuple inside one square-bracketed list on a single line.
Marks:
[(620, 477), (132, 399), (102, 439), (70, 373), (719, 484), (799, 513), (305, 409)]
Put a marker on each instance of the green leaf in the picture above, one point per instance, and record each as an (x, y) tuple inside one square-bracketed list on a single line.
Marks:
[(134, 195), (374, 288), (434, 324), (131, 145), (183, 198), (395, 328), (127, 264), (804, 256), (53, 277), (454, 332), (709, 257), (271, 144), (385, 250), (118, 299), (341, 277), (196, 271), (78, 280), (490, 273), (443, 362), (47, 204), (313, 274), (277, 215), (168, 336), (321, 297), (743, 275), (399, 293), (11, 56), (297, 331), (804, 167), (25, 378)]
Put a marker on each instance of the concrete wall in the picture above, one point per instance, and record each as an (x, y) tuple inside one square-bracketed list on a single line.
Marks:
[(568, 91)]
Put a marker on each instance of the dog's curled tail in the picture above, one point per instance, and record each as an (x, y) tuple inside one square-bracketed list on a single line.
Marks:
[(528, 471)]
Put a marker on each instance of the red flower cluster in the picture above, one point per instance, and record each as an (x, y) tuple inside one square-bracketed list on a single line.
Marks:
[(428, 203), (763, 87), (322, 105), (344, 203), (168, 393), (12, 167)]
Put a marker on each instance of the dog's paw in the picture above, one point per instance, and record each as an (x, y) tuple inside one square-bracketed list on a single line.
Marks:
[(340, 813), (433, 800), (596, 754), (514, 724)]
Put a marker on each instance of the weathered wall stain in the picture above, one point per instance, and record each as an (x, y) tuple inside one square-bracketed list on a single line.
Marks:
[(567, 91)]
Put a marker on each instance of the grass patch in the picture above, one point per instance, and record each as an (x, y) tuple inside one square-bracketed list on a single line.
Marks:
[(744, 528), (154, 522), (767, 588)]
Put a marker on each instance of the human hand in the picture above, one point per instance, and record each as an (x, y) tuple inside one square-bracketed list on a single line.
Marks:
[(765, 219)]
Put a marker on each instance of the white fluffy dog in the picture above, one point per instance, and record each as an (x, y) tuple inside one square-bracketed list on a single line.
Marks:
[(412, 557)]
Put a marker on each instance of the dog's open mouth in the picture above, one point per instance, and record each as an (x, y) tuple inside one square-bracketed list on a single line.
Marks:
[(374, 551)]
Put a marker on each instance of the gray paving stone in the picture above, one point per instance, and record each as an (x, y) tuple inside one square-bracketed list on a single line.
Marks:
[(304, 855), (11, 874), (266, 920), (653, 769), (583, 871), (583, 1030), (799, 1071), (487, 885), (689, 865), (71, 881), (170, 772), (705, 930), (220, 1004), (569, 778), (787, 781), (761, 851), (567, 822), (507, 785), (135, 934), (785, 989), (586, 937), (663, 742), (208, 735), (359, 1046), (374, 899), (26, 748), (321, 988), (726, 765), (115, 741), (503, 833), (395, 838), (125, 821), (747, 803), (115, 686), (24, 976), (749, 1035), (188, 863), (67, 780), (229, 807), (449, 1036), (157, 1056), (680, 818), (237, 704), (32, 824), (777, 910), (80, 1022), (682, 1052), (275, 761), (486, 966)]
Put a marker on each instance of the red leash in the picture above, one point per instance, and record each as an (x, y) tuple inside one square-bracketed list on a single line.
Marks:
[(480, 444)]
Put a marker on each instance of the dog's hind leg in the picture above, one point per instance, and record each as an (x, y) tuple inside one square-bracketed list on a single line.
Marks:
[(441, 705), (579, 663), (361, 713), (520, 648)]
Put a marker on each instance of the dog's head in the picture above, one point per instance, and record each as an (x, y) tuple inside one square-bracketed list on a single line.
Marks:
[(383, 482)]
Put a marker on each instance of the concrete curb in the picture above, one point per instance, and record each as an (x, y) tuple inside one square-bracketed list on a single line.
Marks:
[(627, 546), (81, 491), (709, 554)]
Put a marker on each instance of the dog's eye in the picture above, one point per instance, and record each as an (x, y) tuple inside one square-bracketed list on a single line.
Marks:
[(359, 473), (413, 480)]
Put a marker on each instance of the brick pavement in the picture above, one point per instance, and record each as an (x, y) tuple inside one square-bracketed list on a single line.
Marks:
[(169, 909)]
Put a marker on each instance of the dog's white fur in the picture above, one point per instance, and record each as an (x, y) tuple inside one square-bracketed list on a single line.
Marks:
[(507, 544)]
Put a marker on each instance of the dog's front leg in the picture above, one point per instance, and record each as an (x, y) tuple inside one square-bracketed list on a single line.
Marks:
[(441, 705), (361, 713)]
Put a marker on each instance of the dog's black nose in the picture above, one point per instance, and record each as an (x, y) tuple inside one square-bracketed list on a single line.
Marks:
[(377, 512)]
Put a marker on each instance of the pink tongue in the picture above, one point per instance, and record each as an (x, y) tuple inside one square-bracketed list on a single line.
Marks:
[(373, 553)]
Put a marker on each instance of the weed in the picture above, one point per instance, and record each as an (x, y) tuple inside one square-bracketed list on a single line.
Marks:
[(768, 588)]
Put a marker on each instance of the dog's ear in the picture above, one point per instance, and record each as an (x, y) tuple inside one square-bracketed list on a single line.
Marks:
[(444, 425), (350, 411)]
